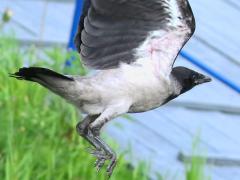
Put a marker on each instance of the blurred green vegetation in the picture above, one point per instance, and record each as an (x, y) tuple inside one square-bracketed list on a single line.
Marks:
[(37, 129), (6, 17), (195, 169)]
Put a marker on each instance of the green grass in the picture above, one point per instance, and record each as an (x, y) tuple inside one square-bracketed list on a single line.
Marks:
[(195, 169), (37, 129)]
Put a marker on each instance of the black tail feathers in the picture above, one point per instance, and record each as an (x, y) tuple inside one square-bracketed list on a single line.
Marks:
[(33, 73)]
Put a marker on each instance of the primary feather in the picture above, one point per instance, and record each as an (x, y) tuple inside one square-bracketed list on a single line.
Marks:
[(112, 32)]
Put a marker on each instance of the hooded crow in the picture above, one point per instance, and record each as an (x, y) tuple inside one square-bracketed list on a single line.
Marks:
[(133, 45)]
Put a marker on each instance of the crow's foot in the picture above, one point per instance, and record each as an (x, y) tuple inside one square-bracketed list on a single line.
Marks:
[(111, 166), (101, 158), (101, 150)]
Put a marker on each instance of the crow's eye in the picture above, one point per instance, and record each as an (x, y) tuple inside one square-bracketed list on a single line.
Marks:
[(194, 76)]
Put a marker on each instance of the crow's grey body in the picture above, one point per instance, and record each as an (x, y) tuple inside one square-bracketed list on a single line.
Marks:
[(118, 87), (133, 45)]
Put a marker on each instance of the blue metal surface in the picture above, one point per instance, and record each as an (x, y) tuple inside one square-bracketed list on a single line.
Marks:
[(77, 14), (210, 71), (76, 17)]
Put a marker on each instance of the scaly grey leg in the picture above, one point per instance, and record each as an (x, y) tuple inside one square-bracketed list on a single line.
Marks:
[(101, 152), (83, 130), (95, 126), (110, 154), (90, 130)]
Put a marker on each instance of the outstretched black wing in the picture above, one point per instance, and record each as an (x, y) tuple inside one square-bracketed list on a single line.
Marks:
[(123, 31)]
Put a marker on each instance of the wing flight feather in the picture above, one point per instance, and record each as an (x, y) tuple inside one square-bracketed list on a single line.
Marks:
[(112, 32)]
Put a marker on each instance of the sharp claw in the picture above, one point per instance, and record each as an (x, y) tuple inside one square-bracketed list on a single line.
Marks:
[(99, 164), (111, 166), (98, 154), (92, 149), (101, 151)]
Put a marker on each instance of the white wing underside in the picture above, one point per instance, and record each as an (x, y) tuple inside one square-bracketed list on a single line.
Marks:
[(160, 49)]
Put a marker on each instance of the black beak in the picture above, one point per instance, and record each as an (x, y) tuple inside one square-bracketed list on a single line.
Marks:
[(202, 79)]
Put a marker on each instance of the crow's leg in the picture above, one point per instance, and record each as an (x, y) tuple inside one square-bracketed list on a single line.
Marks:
[(109, 153), (96, 126), (83, 130)]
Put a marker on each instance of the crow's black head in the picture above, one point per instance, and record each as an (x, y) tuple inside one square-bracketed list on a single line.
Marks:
[(188, 78)]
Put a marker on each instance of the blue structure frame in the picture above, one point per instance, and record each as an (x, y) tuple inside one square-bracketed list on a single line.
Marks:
[(76, 17), (210, 71), (195, 61)]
